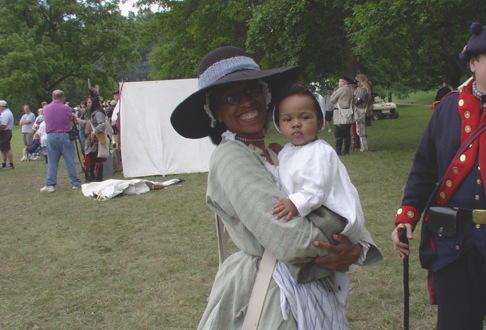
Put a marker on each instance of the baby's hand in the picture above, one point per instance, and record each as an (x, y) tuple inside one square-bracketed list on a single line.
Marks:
[(285, 207), (275, 147)]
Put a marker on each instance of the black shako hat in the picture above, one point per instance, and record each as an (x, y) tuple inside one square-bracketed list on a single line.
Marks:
[(221, 66), (477, 43)]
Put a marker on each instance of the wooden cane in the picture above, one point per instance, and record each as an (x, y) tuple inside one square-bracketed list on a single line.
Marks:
[(402, 233)]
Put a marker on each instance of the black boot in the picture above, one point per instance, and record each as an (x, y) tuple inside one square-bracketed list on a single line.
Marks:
[(99, 172), (347, 145), (339, 145), (91, 176)]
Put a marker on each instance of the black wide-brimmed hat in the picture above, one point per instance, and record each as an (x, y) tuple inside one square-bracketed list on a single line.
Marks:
[(477, 43), (222, 66)]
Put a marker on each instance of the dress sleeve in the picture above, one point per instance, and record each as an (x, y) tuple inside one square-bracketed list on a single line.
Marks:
[(242, 192)]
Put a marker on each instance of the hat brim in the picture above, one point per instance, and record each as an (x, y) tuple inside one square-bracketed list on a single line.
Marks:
[(191, 121)]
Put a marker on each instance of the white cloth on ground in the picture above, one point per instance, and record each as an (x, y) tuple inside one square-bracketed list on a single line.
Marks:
[(111, 188)]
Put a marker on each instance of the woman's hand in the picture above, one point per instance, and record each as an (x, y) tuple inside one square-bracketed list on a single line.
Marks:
[(341, 255), (402, 249), (276, 147)]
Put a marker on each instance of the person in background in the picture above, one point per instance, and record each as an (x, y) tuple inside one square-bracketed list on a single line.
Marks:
[(452, 246), (81, 123), (39, 119), (354, 134), (58, 118), (443, 91), (115, 120), (363, 101), (43, 139), (6, 126), (30, 150), (343, 101), (95, 124), (329, 107), (27, 121)]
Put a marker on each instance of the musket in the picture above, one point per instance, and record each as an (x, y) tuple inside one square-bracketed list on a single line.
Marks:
[(76, 130)]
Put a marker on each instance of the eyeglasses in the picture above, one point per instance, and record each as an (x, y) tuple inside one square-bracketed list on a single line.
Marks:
[(235, 97)]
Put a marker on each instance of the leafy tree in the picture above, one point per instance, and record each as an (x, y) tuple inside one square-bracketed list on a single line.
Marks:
[(43, 43), (309, 33), (187, 30), (420, 40)]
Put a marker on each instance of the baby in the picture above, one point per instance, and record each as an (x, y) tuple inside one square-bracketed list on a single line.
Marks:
[(310, 172)]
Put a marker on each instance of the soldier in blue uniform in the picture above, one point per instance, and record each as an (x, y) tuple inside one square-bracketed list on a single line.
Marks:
[(456, 262)]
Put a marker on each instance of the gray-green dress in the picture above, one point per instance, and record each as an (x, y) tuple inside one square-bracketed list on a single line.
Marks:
[(242, 192)]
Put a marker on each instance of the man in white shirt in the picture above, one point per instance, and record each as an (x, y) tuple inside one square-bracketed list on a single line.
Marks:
[(6, 125), (26, 122)]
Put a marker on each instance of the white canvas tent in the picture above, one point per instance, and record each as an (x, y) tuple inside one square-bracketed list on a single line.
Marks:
[(149, 144)]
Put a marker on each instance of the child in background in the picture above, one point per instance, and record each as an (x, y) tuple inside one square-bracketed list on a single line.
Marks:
[(310, 172), (30, 150)]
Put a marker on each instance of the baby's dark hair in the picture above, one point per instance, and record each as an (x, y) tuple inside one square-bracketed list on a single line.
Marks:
[(296, 88)]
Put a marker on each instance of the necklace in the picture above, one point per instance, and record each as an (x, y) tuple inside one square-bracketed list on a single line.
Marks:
[(239, 138)]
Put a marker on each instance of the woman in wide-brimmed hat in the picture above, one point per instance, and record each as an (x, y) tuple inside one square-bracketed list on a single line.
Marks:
[(231, 108)]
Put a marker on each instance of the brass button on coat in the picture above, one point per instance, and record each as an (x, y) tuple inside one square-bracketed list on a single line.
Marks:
[(478, 181), (477, 197), (461, 103), (458, 247), (467, 114), (443, 195), (455, 170), (399, 211), (410, 214), (449, 183), (467, 129), (463, 158)]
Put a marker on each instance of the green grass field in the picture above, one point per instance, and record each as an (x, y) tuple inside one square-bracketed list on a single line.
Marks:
[(419, 98), (148, 261)]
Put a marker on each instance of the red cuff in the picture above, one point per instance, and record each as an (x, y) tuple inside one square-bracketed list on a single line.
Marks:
[(407, 214)]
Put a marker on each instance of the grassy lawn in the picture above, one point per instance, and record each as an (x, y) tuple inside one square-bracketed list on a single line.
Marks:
[(419, 98), (148, 261)]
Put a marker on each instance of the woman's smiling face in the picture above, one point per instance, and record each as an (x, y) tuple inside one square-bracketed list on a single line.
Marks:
[(242, 108)]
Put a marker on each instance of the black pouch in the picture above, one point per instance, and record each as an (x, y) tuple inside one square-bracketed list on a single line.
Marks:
[(444, 220), (72, 135)]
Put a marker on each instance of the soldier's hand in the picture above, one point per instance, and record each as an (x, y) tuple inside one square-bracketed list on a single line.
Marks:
[(400, 248)]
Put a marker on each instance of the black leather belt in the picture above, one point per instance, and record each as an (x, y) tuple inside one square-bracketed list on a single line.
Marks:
[(475, 216)]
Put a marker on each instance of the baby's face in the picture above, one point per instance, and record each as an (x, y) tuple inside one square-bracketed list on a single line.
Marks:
[(298, 119)]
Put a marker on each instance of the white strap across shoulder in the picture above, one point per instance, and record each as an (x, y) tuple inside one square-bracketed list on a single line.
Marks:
[(262, 281)]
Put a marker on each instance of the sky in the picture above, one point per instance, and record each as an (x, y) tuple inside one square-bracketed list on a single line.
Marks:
[(127, 6)]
